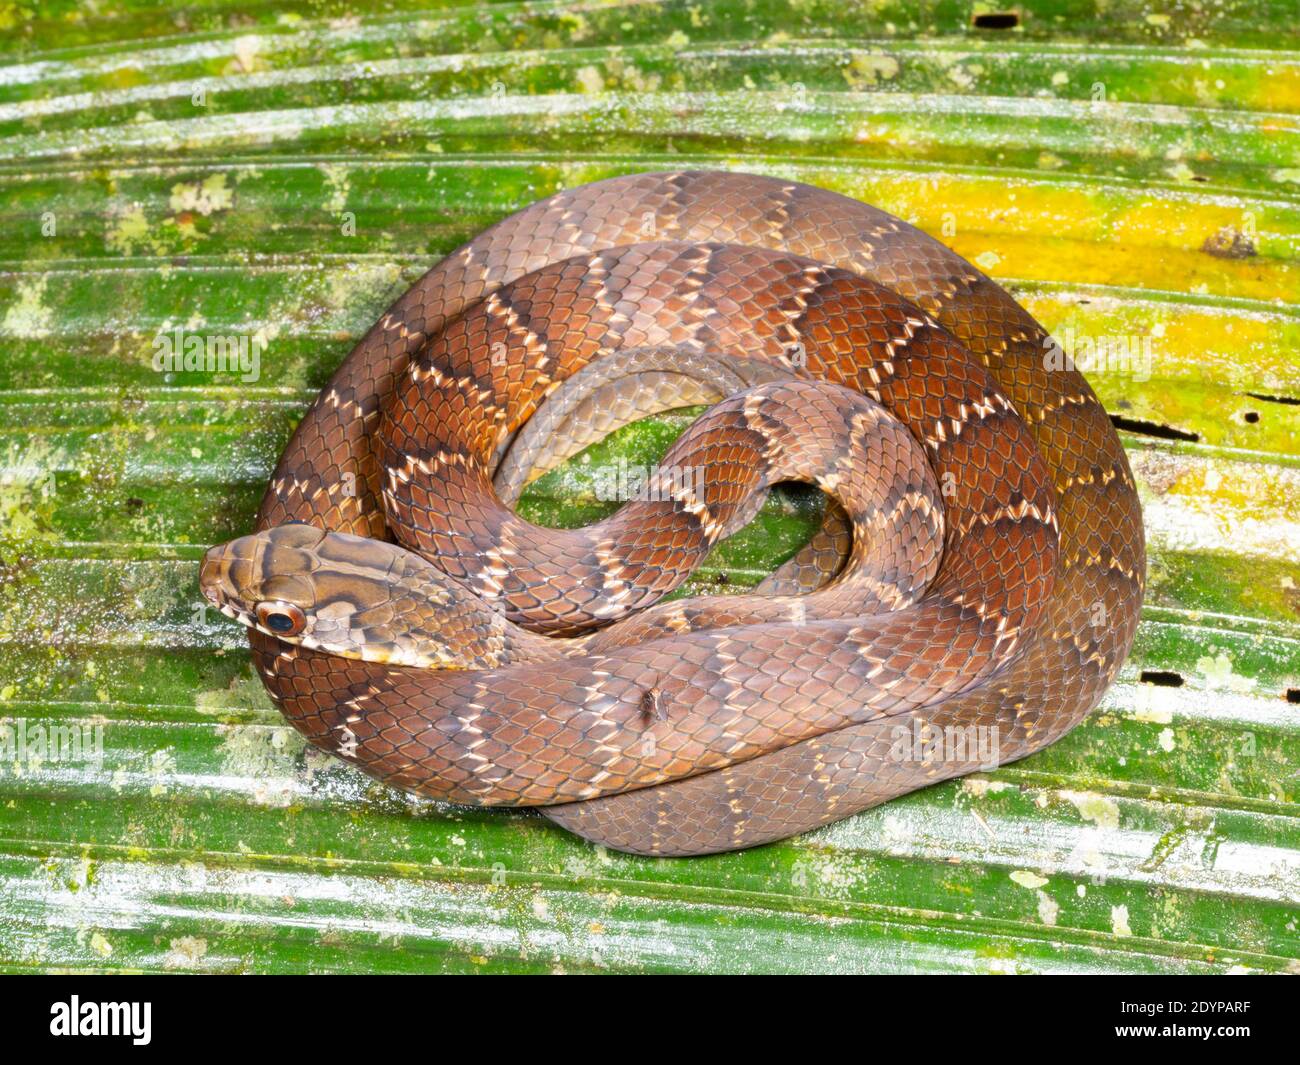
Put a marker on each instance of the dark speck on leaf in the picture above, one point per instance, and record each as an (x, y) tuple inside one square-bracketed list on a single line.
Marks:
[(1229, 243)]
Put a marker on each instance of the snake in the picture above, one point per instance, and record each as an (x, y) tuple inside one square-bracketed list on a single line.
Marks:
[(978, 572)]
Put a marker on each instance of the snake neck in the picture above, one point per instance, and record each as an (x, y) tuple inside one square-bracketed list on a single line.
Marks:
[(438, 623)]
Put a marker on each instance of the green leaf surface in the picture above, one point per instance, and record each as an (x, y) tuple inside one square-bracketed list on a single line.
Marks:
[(1128, 169)]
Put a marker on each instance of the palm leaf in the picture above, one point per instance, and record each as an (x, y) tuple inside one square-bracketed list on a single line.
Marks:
[(285, 171)]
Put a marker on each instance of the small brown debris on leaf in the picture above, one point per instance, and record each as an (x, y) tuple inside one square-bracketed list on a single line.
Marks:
[(1230, 243)]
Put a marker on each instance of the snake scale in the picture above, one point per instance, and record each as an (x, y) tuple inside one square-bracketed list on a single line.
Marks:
[(981, 561)]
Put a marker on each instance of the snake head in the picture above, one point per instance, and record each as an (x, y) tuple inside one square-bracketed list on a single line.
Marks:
[(354, 597)]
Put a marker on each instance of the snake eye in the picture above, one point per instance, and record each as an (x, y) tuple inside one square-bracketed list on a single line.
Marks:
[(284, 619)]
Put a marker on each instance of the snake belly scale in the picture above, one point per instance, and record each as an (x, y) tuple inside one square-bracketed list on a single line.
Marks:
[(981, 563)]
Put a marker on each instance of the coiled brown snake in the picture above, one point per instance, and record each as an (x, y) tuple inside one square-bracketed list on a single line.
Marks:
[(994, 576)]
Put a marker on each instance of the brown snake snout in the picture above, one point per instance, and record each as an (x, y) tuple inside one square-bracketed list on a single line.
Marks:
[(983, 511)]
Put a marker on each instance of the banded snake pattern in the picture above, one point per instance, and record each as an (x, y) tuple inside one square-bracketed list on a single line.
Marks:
[(981, 560)]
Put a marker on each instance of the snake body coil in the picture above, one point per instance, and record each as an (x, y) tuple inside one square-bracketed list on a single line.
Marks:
[(982, 565)]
